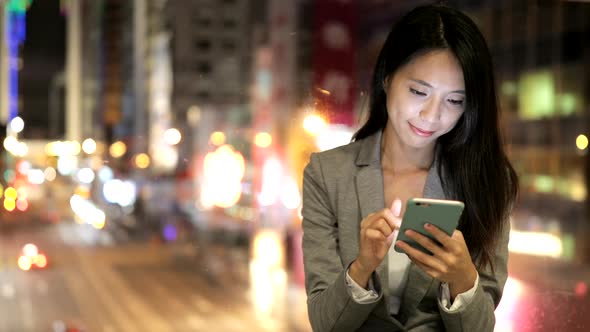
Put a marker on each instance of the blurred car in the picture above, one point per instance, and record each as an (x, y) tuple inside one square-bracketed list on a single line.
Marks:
[(31, 258)]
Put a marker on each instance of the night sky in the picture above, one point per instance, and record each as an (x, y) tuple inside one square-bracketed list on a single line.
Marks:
[(43, 54)]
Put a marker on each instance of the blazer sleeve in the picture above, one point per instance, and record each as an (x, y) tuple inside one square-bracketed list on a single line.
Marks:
[(329, 302), (478, 315)]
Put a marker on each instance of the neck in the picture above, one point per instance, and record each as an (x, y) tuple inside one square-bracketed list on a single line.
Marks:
[(402, 158)]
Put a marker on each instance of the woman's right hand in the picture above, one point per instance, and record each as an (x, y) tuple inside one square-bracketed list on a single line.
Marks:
[(377, 234)]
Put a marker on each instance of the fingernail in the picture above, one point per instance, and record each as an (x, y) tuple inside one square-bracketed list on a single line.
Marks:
[(427, 225)]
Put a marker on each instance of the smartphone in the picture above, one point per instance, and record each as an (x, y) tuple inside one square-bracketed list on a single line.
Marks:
[(444, 214)]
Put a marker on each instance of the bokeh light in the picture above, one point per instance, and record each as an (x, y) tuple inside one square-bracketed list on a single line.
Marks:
[(22, 204), (24, 263), (89, 146), (9, 204), (142, 160), (314, 124), (172, 136), (263, 140), (50, 174), (217, 138), (118, 149), (223, 173), (30, 250), (17, 124), (10, 193), (40, 261), (582, 142)]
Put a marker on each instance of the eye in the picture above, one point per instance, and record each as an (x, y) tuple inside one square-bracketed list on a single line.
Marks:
[(456, 102), (416, 92)]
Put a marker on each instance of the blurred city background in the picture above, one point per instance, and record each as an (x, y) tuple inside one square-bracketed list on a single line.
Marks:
[(152, 156)]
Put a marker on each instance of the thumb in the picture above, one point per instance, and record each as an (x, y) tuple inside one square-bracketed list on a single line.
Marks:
[(396, 207)]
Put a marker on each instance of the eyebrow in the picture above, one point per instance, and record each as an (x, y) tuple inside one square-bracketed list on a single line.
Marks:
[(421, 82)]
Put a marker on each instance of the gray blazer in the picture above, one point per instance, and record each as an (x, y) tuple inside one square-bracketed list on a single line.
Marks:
[(341, 187)]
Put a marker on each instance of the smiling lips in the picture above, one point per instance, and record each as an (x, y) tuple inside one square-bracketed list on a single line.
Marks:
[(420, 132)]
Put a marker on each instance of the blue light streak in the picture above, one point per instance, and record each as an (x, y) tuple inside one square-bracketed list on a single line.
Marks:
[(15, 35)]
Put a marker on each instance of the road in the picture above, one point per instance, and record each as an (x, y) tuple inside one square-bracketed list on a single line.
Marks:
[(98, 283), (132, 287)]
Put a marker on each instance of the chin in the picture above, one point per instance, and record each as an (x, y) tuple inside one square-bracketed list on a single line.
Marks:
[(421, 143)]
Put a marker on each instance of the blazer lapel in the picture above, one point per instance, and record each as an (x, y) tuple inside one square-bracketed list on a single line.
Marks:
[(369, 189), (419, 281)]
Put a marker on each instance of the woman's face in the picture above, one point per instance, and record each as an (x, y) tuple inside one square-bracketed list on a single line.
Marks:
[(425, 98)]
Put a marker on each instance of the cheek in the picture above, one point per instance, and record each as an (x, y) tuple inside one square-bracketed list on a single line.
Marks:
[(403, 107), (451, 121)]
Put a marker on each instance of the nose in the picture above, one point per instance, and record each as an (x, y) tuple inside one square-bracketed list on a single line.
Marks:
[(431, 111)]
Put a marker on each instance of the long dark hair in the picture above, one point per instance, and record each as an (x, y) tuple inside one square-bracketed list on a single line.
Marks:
[(473, 166)]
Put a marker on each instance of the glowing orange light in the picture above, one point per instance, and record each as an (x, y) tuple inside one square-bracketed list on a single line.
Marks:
[(40, 261), (99, 224), (263, 140), (82, 191), (314, 124), (118, 149), (223, 173), (142, 160), (24, 263), (217, 138)]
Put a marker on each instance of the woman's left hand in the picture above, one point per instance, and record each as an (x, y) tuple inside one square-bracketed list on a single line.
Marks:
[(450, 261)]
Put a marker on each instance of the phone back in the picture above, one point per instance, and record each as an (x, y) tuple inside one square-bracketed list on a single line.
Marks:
[(444, 214)]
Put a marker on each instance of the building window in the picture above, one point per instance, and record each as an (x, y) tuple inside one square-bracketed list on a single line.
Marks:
[(229, 23), (228, 45), (203, 45), (203, 22), (203, 68), (203, 95)]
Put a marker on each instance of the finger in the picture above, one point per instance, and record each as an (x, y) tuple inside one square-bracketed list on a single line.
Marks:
[(367, 219), (393, 236), (375, 235), (396, 207), (426, 242), (393, 221), (382, 225), (418, 256), (458, 235), (439, 235), (430, 271)]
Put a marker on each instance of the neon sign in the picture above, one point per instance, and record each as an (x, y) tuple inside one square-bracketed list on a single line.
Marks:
[(15, 36)]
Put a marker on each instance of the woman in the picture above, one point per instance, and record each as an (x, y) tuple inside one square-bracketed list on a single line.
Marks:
[(432, 131)]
